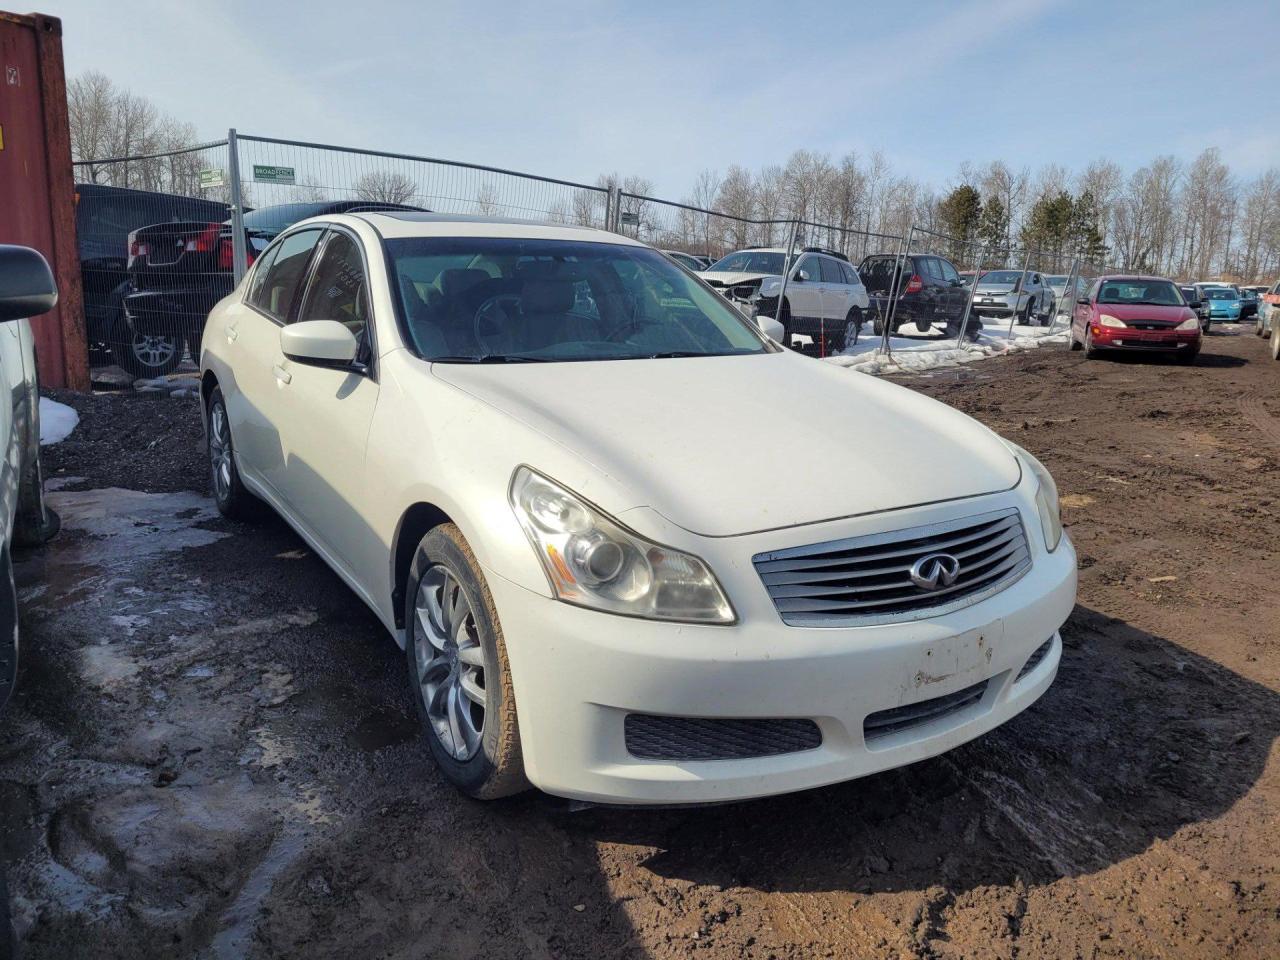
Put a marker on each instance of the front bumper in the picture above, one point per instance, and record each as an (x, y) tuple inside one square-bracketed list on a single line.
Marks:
[(1216, 313), (579, 673), (1130, 338)]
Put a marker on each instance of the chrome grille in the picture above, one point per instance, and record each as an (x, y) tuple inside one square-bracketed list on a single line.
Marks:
[(865, 580)]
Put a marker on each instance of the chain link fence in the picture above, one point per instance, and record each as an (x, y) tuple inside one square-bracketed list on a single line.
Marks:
[(164, 237)]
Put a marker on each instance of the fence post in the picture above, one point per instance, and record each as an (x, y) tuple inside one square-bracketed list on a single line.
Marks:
[(238, 259), (1022, 282), (786, 275), (895, 291), (1069, 295), (968, 307)]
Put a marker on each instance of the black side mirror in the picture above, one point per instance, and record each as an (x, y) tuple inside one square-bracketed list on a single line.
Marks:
[(1196, 304), (26, 284), (1083, 301)]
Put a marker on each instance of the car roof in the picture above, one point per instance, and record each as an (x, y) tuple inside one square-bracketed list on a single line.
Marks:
[(396, 224)]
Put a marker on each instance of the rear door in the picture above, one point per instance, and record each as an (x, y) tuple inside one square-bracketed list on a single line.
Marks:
[(325, 413), (252, 332), (956, 294), (835, 292)]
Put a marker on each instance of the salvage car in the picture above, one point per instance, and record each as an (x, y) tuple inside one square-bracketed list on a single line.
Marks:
[(1008, 293), (918, 289), (824, 300), (1201, 307), (179, 269), (1224, 302), (26, 290), (553, 510), (1136, 313)]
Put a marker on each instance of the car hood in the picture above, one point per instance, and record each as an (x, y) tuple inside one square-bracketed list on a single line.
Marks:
[(1126, 311), (730, 445), (732, 279)]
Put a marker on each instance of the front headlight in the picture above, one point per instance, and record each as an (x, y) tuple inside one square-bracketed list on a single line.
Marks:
[(593, 561), (1191, 323), (1046, 498), (1107, 320)]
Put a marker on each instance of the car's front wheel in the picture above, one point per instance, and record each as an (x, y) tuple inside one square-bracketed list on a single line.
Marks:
[(459, 668)]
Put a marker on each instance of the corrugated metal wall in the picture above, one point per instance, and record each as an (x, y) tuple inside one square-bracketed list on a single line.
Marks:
[(37, 195)]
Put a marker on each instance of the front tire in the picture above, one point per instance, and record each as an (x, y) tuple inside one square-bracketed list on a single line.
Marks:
[(459, 669), (1275, 339), (234, 501), (1090, 351)]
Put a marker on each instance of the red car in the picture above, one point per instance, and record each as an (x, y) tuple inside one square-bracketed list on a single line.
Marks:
[(1136, 313)]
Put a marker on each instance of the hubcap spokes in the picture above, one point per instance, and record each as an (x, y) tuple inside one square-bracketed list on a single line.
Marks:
[(154, 351), (220, 451), (450, 662)]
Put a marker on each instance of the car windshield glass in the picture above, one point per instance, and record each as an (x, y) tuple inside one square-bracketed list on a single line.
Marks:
[(270, 221), (1219, 295), (1002, 276), (1150, 292), (749, 261), (1056, 281), (490, 299)]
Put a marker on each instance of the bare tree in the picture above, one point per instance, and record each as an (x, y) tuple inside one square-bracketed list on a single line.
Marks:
[(385, 186)]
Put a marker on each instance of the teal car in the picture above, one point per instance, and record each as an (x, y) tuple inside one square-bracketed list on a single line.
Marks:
[(1224, 303)]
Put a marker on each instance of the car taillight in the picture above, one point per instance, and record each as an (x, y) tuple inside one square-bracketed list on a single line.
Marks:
[(915, 284), (205, 240), (226, 255)]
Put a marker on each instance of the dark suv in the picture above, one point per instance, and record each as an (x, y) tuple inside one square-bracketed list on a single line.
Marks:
[(179, 270), (105, 216), (929, 291)]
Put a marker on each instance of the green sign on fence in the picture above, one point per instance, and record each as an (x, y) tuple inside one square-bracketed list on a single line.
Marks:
[(212, 177), (268, 174)]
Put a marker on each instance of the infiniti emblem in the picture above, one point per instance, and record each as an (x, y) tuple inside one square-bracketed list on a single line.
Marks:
[(935, 571)]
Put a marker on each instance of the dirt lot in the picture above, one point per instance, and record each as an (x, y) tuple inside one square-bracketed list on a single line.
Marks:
[(213, 753)]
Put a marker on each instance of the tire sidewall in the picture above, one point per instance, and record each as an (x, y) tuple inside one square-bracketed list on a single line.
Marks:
[(438, 547), (216, 399)]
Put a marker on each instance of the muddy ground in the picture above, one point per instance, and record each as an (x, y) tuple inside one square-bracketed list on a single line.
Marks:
[(212, 752)]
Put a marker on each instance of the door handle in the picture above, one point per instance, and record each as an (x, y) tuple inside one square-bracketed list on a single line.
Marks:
[(283, 375)]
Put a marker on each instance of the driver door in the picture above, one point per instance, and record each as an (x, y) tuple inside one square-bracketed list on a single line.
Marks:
[(805, 296), (326, 413)]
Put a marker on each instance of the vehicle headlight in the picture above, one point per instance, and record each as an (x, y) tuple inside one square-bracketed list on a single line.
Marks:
[(1046, 497), (593, 561), (1191, 323), (1106, 320)]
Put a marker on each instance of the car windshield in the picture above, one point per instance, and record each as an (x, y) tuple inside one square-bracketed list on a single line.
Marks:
[(1219, 294), (749, 261), (490, 299), (1156, 293), (1002, 276), (1056, 281)]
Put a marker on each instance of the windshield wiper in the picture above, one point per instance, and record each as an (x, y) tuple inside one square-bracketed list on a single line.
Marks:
[(490, 358), (674, 354)]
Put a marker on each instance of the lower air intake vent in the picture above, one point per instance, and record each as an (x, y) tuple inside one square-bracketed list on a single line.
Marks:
[(693, 738), (1034, 660), (884, 722)]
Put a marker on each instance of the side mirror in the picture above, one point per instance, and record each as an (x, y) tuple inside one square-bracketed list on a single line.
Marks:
[(1196, 304), (802, 275), (26, 283), (319, 343), (1083, 301), (770, 327)]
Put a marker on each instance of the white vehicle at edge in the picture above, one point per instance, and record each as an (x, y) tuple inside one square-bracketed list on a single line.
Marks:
[(550, 461)]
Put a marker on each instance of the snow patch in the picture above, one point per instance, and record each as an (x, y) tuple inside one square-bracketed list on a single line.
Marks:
[(933, 350), (57, 420)]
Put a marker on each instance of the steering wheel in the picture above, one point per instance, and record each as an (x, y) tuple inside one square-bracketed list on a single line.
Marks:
[(500, 303)]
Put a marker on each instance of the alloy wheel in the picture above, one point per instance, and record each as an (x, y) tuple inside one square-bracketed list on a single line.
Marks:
[(153, 350), (220, 450), (450, 662)]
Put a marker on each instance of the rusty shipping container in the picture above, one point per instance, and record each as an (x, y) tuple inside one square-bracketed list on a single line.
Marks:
[(37, 193)]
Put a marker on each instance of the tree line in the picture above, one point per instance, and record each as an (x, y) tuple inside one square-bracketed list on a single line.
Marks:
[(1193, 220)]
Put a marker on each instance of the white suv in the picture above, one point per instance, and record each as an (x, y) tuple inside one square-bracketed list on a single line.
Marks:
[(825, 298)]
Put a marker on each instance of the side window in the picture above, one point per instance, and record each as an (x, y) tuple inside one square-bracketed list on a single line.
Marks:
[(279, 284), (337, 288), (932, 267), (948, 271), (260, 271), (850, 275), (831, 272), (810, 266)]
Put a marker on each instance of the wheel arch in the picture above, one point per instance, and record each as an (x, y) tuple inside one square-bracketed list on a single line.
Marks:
[(415, 523)]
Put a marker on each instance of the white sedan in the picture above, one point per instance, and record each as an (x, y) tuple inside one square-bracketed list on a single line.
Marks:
[(635, 551)]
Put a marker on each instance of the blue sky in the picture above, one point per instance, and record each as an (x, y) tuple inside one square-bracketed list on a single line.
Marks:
[(666, 89)]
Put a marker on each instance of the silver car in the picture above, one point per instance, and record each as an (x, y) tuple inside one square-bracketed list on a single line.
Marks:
[(1004, 293)]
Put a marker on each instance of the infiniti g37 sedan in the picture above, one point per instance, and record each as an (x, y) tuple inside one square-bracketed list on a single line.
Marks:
[(589, 499)]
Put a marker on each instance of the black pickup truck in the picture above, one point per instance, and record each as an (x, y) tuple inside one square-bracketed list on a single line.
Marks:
[(929, 292)]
